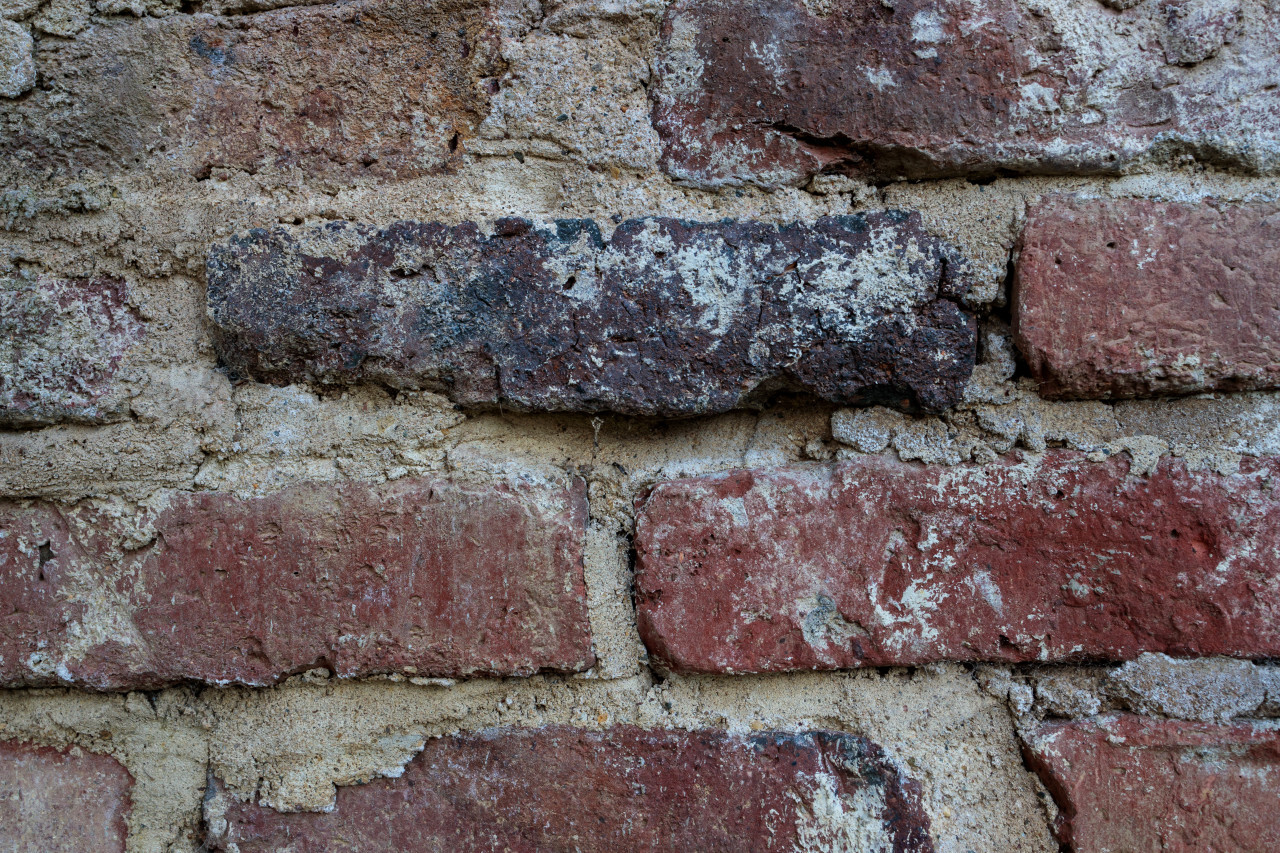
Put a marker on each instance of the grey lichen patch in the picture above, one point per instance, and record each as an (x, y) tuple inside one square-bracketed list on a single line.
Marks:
[(1207, 689), (17, 64), (666, 318)]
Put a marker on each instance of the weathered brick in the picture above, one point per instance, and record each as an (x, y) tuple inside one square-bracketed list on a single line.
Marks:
[(1124, 782), (666, 318), (559, 788), (881, 562), (1134, 298), (387, 88), (62, 342), (432, 577), (775, 91), (61, 800)]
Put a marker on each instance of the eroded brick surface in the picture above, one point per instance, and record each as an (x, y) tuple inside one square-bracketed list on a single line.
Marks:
[(880, 562), (61, 344), (1124, 782), (624, 788), (428, 577), (386, 88), (665, 318), (61, 800), (774, 91), (1128, 298)]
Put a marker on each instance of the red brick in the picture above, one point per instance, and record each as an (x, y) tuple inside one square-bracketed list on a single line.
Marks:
[(881, 562), (624, 788), (1129, 783), (1133, 298), (61, 800), (773, 91), (385, 88), (64, 341), (428, 576)]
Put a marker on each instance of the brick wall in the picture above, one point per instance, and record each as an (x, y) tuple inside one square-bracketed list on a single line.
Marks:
[(639, 425)]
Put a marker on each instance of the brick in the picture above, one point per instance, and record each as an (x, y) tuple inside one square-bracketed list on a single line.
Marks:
[(881, 562), (420, 576), (62, 800), (62, 342), (773, 92), (666, 318), (559, 788), (1124, 782), (1133, 298), (383, 88)]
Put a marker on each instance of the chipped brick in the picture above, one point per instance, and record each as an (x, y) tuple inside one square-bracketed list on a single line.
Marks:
[(385, 88), (771, 92), (62, 342), (425, 577), (881, 562), (1123, 782), (559, 788), (666, 318)]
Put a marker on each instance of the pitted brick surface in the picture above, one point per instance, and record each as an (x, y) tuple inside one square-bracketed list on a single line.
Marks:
[(666, 318), (62, 800), (1124, 782), (425, 577), (880, 562), (623, 788), (1135, 298)]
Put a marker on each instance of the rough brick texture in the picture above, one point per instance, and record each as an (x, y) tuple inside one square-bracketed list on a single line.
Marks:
[(666, 318), (61, 345), (385, 88), (1135, 298), (427, 577), (1130, 783), (624, 788), (61, 800), (883, 562), (774, 91)]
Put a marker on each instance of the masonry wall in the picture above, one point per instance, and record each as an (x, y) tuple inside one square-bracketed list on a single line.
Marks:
[(768, 424)]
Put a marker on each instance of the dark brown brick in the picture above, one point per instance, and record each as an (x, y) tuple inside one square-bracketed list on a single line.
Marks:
[(666, 318), (624, 788), (1135, 298), (387, 88), (426, 577), (1124, 782), (62, 800), (62, 342), (772, 91), (881, 562)]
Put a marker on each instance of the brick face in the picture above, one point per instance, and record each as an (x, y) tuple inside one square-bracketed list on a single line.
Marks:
[(774, 91), (666, 318), (559, 788), (879, 562), (61, 800), (1134, 298), (62, 342), (381, 88), (428, 577), (1124, 782)]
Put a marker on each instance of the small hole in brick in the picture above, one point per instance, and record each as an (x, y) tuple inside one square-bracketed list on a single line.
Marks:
[(1111, 244), (570, 282), (46, 554), (1175, 534), (1057, 261)]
